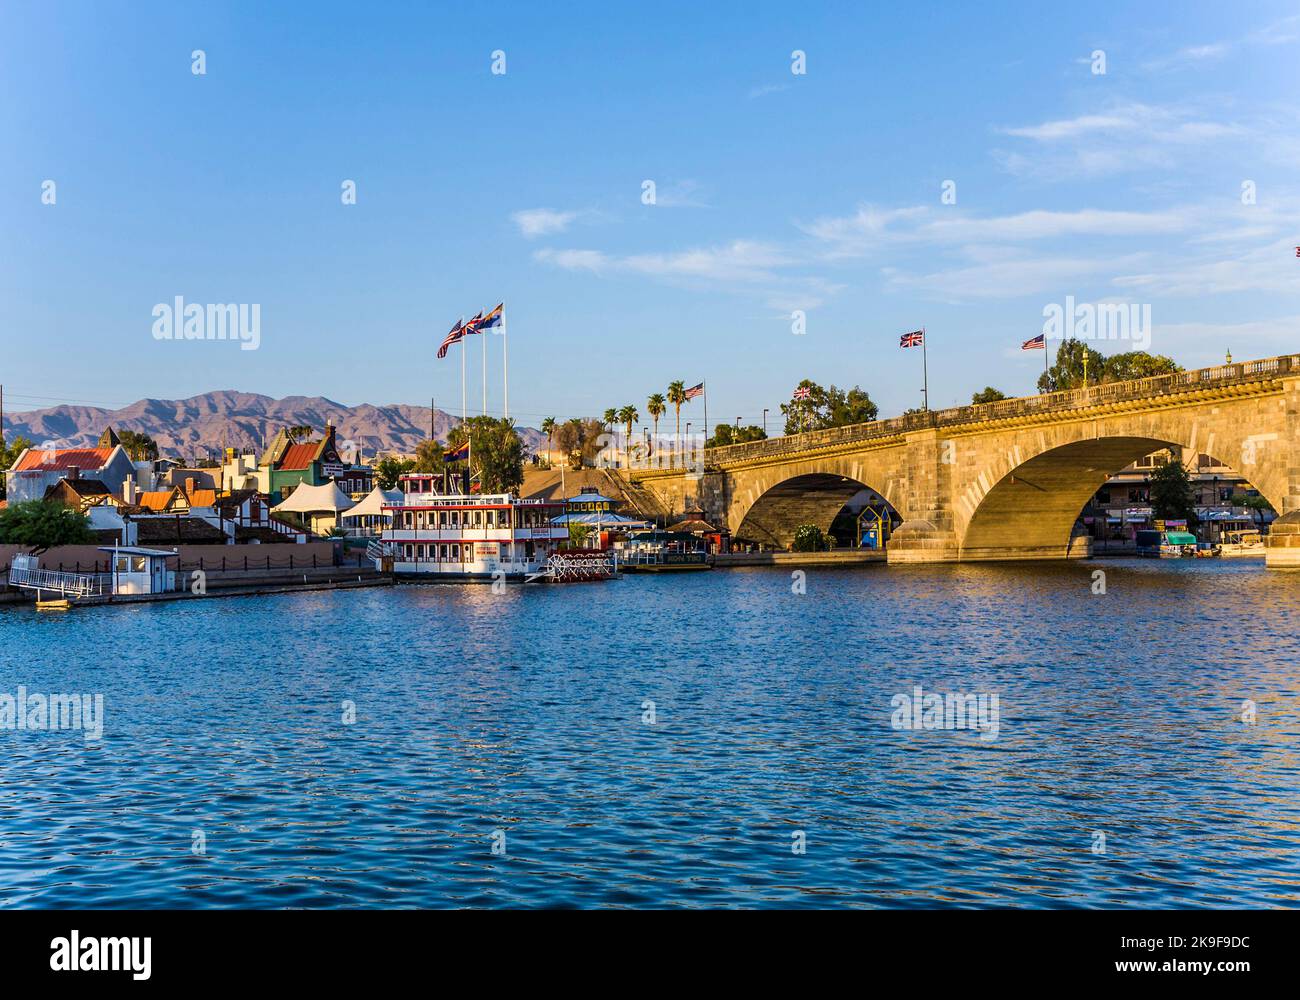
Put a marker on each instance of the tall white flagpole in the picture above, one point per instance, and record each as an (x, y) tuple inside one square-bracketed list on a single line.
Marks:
[(505, 364), (462, 370), (483, 334)]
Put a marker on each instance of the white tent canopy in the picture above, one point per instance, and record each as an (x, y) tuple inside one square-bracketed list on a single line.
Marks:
[(372, 504), (315, 499)]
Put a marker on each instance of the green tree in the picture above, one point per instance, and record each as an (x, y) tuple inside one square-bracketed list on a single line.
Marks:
[(40, 525), (656, 406), (627, 416), (496, 452), (1067, 372), (548, 428), (611, 418), (389, 470), (9, 455), (677, 396), (141, 447), (428, 457), (833, 407), (725, 434), (988, 395), (1172, 495), (809, 538), (298, 431), (1137, 364)]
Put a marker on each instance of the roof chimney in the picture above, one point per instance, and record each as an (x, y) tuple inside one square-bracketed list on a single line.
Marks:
[(128, 490), (72, 472)]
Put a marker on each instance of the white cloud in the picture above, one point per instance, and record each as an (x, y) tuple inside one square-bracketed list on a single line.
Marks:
[(1120, 138), (872, 228), (534, 222)]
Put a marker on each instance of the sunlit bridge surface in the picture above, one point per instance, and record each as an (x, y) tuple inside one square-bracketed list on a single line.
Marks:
[(1120, 714)]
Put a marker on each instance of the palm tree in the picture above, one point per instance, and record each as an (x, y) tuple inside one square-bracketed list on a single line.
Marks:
[(655, 407), (548, 428), (677, 396), (627, 416), (611, 415)]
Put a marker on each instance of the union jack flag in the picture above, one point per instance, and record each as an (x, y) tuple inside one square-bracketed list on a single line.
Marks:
[(473, 325), (914, 339), (803, 392), (455, 336), (493, 318), (693, 391)]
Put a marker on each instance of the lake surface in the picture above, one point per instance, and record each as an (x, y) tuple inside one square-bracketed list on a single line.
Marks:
[(524, 716)]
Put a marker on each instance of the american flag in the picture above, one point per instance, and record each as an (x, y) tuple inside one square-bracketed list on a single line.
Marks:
[(803, 392), (454, 337), (1038, 343), (914, 339), (693, 391), (1297, 251)]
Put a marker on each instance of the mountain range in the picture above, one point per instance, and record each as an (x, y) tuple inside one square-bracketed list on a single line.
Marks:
[(194, 427)]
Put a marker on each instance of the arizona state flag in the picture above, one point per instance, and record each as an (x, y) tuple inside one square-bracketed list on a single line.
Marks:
[(457, 454)]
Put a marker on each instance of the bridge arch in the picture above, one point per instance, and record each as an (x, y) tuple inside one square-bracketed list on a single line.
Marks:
[(771, 517), (1026, 506)]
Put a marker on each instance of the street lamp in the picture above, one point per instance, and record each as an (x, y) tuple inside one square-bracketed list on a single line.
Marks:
[(765, 421)]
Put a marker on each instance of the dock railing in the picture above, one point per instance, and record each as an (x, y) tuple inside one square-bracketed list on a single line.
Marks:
[(67, 584)]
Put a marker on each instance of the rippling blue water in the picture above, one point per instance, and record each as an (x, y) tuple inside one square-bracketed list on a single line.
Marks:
[(522, 713)]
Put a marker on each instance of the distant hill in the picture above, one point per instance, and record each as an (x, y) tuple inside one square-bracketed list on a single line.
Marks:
[(185, 428)]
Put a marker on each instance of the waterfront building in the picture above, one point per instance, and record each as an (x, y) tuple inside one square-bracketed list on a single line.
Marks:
[(79, 494), (1121, 507), (37, 469), (286, 464), (467, 536)]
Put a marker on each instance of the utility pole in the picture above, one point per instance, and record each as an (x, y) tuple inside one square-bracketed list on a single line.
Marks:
[(432, 416), (765, 421)]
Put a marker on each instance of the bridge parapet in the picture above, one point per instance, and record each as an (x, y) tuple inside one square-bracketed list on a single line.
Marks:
[(1108, 393)]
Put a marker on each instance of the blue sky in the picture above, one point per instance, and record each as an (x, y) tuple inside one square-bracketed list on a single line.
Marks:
[(776, 192)]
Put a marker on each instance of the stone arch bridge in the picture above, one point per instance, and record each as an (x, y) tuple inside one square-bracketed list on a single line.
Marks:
[(1004, 480)]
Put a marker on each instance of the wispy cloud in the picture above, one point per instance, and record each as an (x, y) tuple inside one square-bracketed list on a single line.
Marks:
[(871, 228), (767, 88), (1119, 138), (535, 222), (738, 266), (1279, 32)]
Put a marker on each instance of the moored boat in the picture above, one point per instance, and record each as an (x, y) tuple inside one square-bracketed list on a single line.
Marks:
[(479, 537)]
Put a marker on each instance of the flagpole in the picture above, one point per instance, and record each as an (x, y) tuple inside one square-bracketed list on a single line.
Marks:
[(925, 371), (484, 336), (505, 364), (704, 391), (462, 370)]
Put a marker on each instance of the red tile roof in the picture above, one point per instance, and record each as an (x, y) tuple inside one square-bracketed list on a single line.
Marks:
[(157, 500), (63, 458), (299, 456)]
